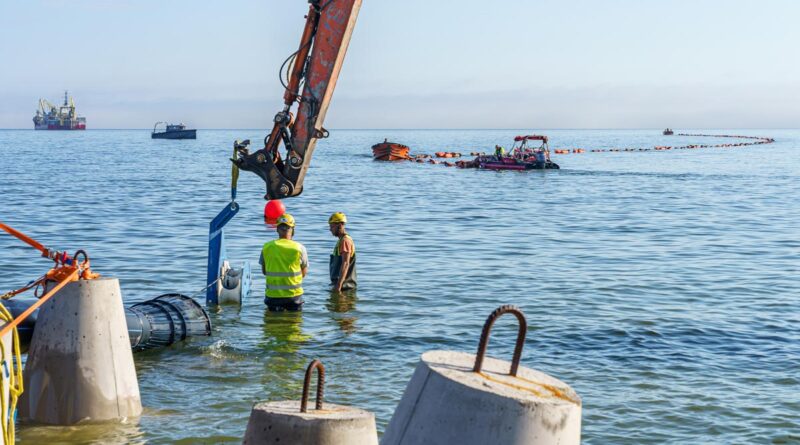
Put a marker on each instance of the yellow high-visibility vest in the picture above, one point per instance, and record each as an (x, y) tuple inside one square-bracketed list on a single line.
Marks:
[(282, 265)]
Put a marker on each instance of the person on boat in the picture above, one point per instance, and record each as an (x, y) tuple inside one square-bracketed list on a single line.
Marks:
[(284, 263), (499, 151), (343, 259), (538, 157)]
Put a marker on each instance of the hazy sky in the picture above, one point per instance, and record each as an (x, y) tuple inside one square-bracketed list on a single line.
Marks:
[(412, 63)]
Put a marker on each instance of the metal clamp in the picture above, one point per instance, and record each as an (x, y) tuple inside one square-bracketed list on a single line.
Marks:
[(321, 133), (85, 261), (307, 382), (487, 327)]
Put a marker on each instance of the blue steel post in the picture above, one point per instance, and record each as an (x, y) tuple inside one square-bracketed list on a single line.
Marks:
[(216, 249)]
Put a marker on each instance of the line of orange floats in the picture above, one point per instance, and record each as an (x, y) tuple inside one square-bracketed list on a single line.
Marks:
[(397, 152), (758, 140)]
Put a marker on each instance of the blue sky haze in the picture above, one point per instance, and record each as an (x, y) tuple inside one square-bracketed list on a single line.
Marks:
[(412, 63)]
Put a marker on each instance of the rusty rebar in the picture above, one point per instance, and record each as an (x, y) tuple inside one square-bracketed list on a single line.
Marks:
[(315, 364), (487, 328)]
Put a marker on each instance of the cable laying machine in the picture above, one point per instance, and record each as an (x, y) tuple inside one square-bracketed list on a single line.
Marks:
[(314, 68)]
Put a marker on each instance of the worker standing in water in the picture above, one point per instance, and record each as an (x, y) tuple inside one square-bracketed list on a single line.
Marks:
[(343, 259), (284, 263)]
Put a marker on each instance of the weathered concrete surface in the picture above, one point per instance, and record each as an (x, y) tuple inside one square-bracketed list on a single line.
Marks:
[(446, 403), (282, 422), (80, 365)]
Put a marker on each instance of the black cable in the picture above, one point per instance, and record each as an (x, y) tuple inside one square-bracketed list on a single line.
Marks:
[(292, 59), (294, 54)]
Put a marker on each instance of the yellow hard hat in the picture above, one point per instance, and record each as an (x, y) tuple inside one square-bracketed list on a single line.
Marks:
[(286, 219), (337, 217)]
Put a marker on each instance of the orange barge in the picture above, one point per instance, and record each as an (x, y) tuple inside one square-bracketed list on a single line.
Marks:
[(390, 151)]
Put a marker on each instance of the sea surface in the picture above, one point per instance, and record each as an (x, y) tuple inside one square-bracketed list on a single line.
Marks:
[(662, 286)]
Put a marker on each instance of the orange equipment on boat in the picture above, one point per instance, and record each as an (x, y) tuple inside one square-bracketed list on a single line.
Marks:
[(390, 151)]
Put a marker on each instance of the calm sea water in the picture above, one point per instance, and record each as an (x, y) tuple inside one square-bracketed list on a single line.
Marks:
[(663, 286)]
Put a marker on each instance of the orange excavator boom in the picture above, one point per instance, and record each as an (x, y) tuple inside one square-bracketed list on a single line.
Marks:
[(315, 68)]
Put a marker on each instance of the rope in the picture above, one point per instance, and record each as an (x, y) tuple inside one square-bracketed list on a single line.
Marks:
[(201, 291), (14, 376), (752, 140)]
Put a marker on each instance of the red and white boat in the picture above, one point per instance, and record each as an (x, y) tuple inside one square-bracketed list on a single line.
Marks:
[(521, 157)]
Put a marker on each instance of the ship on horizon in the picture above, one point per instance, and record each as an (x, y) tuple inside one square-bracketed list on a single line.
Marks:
[(51, 117)]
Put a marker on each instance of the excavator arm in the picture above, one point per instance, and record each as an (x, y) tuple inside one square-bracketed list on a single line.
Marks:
[(314, 67)]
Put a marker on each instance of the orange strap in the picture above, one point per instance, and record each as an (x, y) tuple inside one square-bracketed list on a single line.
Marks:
[(28, 286), (25, 238), (7, 328)]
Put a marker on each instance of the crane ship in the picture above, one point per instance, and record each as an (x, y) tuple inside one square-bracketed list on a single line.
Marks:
[(51, 117)]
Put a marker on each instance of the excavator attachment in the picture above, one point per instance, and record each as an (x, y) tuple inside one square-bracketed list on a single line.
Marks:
[(315, 67)]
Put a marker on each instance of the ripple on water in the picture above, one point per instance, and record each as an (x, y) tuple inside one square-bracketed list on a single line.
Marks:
[(662, 285)]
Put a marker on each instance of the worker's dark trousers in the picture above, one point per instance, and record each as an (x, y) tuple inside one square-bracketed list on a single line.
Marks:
[(284, 304)]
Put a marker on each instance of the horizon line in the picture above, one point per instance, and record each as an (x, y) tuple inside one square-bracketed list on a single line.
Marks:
[(426, 129)]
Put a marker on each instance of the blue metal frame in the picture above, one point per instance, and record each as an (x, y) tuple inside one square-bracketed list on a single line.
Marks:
[(216, 250)]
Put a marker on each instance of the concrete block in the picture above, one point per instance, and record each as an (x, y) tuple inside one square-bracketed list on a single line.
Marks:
[(80, 365), (447, 403), (282, 422)]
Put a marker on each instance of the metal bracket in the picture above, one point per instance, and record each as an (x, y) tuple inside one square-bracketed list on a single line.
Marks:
[(261, 163), (216, 250)]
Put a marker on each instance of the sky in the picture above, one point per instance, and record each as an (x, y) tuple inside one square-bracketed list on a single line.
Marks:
[(412, 63)]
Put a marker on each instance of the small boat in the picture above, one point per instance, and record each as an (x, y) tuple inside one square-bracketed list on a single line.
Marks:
[(173, 131), (509, 163), (668, 132), (390, 151), (521, 157)]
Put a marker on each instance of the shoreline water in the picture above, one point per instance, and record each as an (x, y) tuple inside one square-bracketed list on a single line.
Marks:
[(659, 285)]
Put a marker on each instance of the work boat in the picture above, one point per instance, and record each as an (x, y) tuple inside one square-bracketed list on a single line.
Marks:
[(390, 151), (668, 132), (173, 131), (521, 157)]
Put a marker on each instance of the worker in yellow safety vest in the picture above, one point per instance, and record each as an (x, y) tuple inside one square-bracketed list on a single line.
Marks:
[(343, 259), (284, 263)]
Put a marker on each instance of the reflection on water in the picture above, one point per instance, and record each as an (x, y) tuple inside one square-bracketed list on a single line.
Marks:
[(340, 304), (94, 433), (282, 338), (283, 331)]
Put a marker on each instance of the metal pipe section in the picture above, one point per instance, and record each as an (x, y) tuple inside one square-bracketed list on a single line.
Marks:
[(152, 324), (165, 320)]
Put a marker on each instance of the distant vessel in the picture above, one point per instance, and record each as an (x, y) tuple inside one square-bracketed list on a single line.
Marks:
[(521, 157), (51, 117), (668, 132), (390, 151), (173, 131)]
